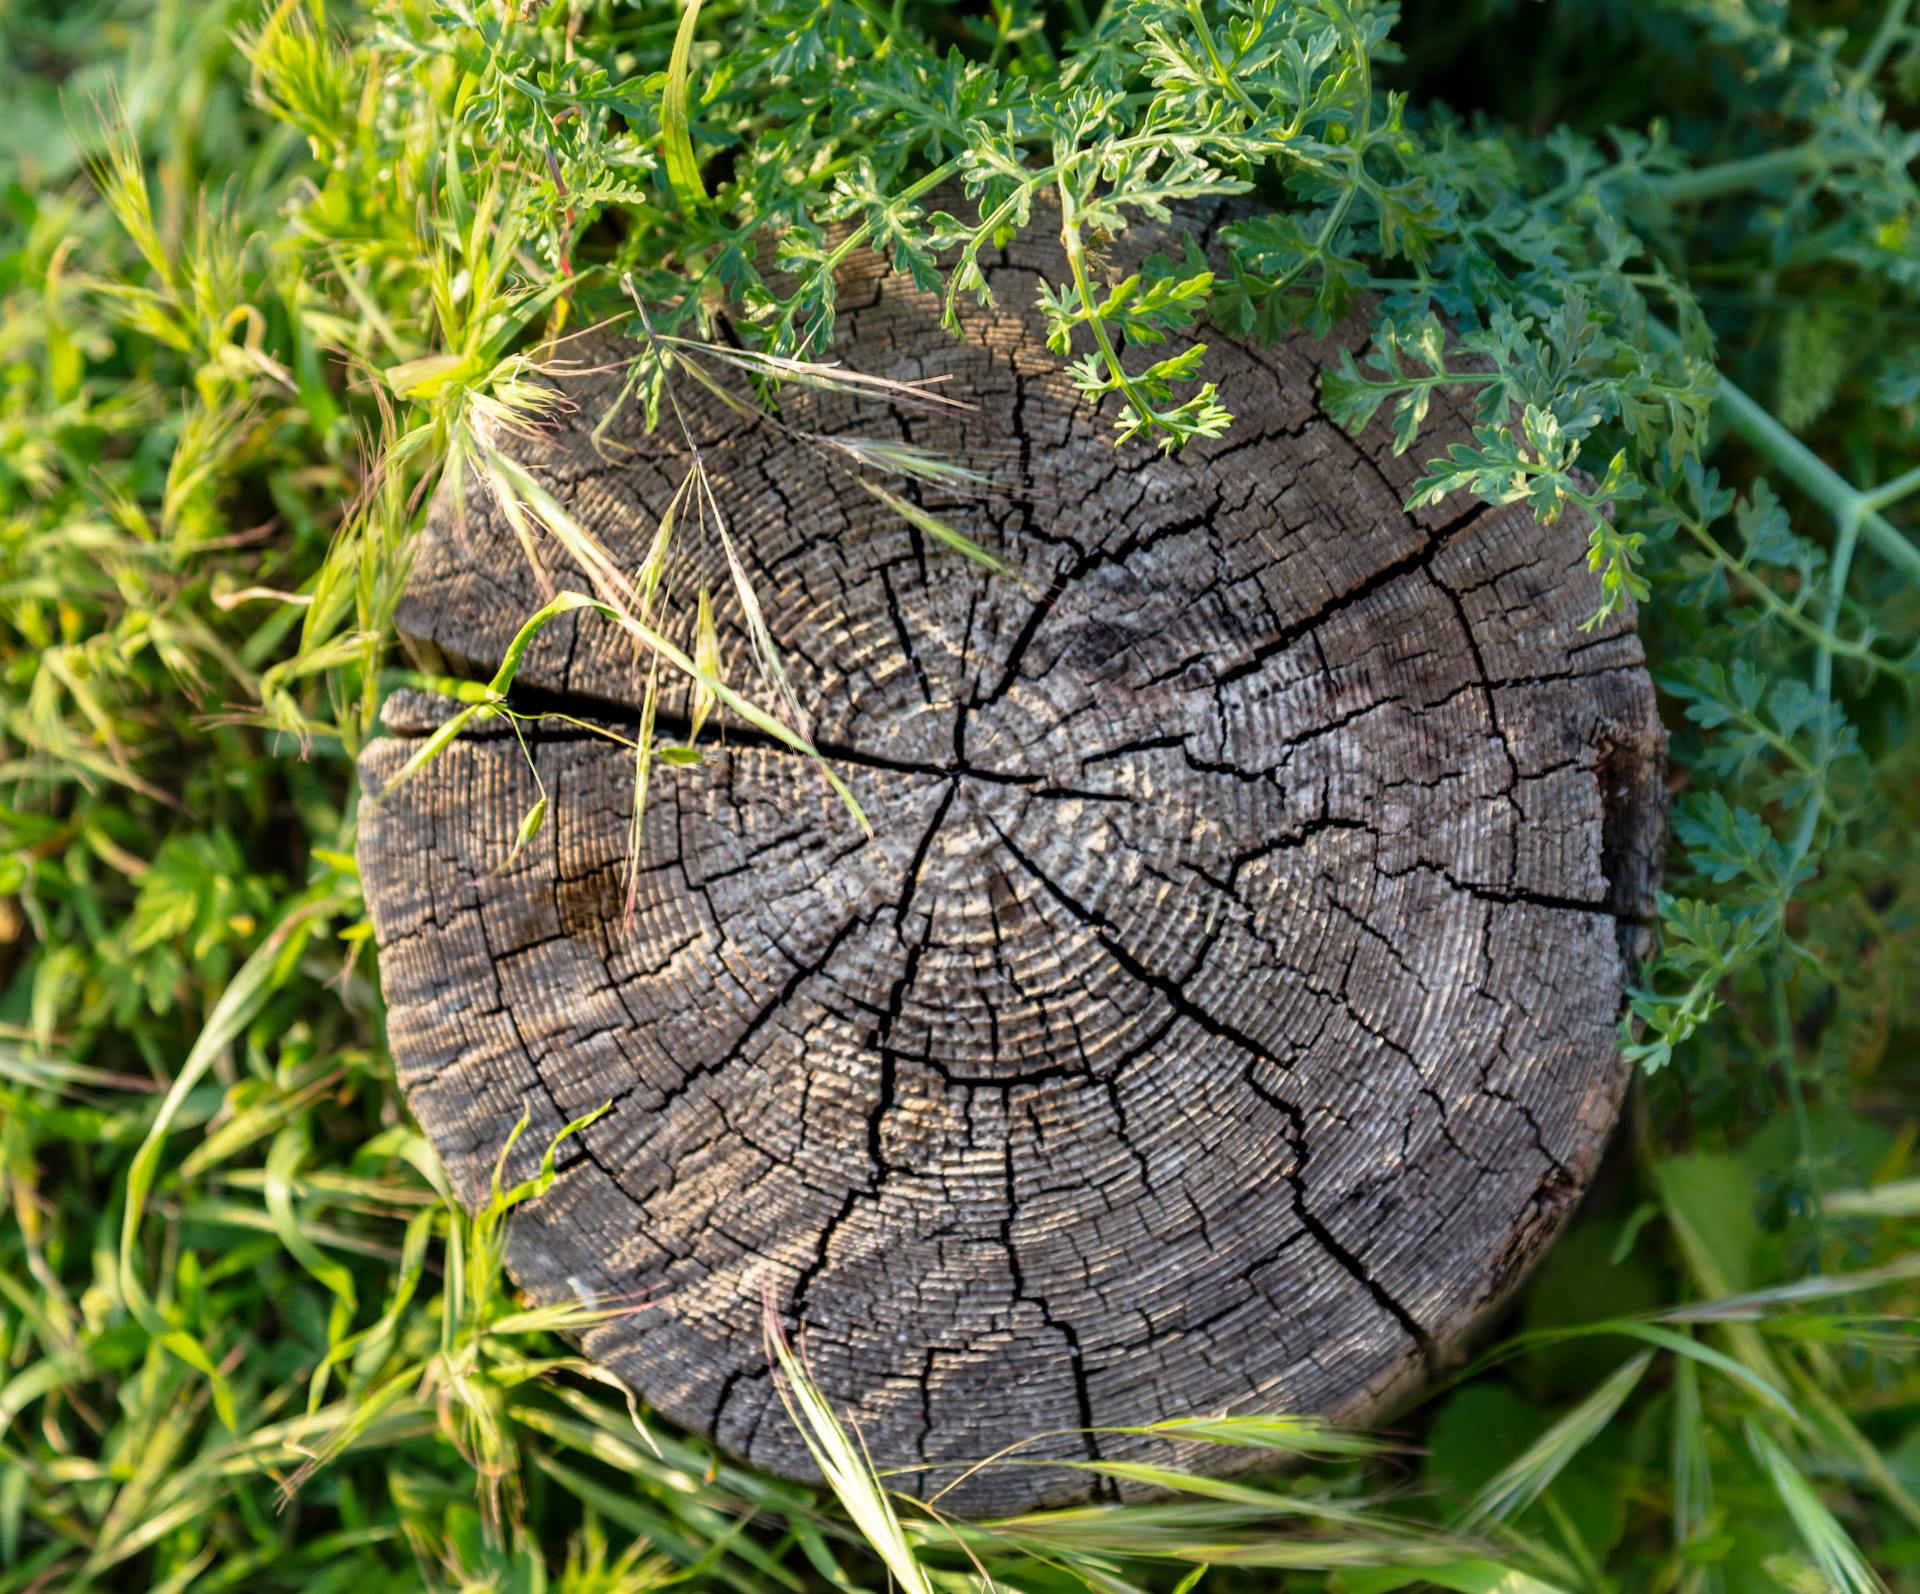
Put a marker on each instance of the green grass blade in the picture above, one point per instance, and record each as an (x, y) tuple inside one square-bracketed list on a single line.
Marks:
[(676, 122), (1832, 1548), (257, 977), (843, 1464), (941, 532), (1529, 1475)]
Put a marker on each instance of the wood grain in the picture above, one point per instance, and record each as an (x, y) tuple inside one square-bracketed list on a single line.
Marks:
[(1222, 1016)]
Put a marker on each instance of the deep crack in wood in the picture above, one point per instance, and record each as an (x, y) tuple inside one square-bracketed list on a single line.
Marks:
[(1222, 1016)]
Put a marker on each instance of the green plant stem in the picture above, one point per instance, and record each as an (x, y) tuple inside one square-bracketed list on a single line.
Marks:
[(1889, 493), (1221, 74), (1843, 548), (861, 233), (1770, 600), (1807, 471), (1891, 22), (1797, 1099), (1077, 263), (1844, 544), (1737, 176)]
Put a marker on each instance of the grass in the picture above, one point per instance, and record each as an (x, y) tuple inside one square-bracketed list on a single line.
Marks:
[(269, 272)]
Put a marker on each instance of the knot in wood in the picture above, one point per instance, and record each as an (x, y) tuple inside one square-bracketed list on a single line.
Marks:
[(1222, 1015)]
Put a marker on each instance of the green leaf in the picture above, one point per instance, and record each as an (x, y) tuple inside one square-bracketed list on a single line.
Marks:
[(683, 171), (1709, 1199)]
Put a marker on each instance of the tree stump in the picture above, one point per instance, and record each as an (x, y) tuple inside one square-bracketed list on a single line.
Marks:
[(1222, 1016)]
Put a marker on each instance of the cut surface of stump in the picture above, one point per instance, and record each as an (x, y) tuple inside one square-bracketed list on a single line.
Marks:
[(1222, 1015)]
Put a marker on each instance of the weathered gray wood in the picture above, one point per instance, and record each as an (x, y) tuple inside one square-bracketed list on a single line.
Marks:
[(1221, 1018)]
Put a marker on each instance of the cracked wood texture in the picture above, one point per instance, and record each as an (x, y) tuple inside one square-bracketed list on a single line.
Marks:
[(1222, 1016)]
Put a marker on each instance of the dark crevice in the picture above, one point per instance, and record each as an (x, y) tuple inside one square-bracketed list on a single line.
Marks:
[(802, 972), (1256, 1055), (532, 703), (1286, 636), (1097, 680), (1493, 722), (1076, 1362)]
